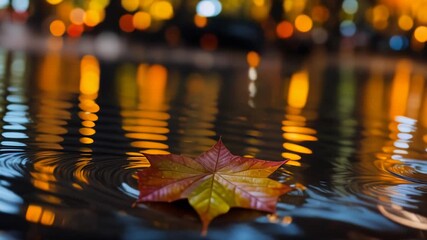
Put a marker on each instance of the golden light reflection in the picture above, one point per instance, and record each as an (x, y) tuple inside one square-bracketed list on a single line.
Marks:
[(297, 148), (300, 130), (297, 137), (89, 80), (34, 213), (298, 89), (52, 116), (400, 89), (373, 101), (201, 92), (415, 96), (89, 87), (152, 82), (294, 125), (144, 110)]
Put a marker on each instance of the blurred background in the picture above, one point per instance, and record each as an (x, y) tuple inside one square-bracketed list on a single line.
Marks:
[(392, 26)]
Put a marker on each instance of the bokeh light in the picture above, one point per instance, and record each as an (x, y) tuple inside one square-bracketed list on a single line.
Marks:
[(405, 22), (284, 29), (92, 18), (57, 28), (348, 28), (77, 16), (303, 23), (420, 34), (126, 23), (350, 6), (141, 20), (130, 5), (200, 21), (161, 10), (253, 59), (75, 30), (20, 6), (398, 42), (209, 8)]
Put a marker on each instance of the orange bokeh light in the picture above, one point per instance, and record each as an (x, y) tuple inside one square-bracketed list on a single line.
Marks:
[(284, 29), (253, 59), (57, 28), (75, 30), (200, 21), (126, 23), (141, 20), (303, 23)]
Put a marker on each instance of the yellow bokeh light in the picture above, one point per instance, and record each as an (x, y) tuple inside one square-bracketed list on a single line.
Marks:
[(77, 16), (253, 59), (161, 10), (303, 23), (57, 28), (420, 34), (93, 18), (141, 20), (54, 2), (405, 22), (130, 5)]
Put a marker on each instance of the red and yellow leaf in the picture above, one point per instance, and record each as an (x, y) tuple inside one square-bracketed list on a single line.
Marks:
[(214, 182)]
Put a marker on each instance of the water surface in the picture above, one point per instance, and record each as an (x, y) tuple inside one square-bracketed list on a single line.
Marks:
[(73, 130)]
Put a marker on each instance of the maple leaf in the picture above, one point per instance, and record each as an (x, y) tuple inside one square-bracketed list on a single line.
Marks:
[(213, 182)]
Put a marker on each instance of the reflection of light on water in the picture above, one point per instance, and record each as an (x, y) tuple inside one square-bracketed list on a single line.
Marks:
[(89, 87), (142, 96), (52, 115), (294, 125), (400, 88), (16, 115), (37, 214), (298, 89), (9, 201), (253, 60), (197, 124)]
